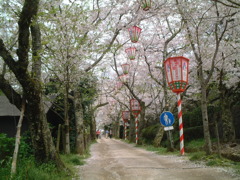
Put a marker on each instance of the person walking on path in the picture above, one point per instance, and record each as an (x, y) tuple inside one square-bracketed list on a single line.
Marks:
[(98, 134), (107, 132), (110, 134)]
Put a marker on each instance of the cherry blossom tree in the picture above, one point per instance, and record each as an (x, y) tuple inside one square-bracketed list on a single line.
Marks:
[(206, 37), (30, 80)]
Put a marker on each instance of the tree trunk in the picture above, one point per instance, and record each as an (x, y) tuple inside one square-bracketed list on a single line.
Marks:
[(117, 124), (79, 122), (132, 129), (208, 144), (159, 136), (44, 149), (17, 141), (217, 136), (66, 116), (40, 132), (58, 137), (93, 127)]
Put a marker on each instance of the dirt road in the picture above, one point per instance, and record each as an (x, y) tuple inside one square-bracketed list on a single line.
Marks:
[(115, 160)]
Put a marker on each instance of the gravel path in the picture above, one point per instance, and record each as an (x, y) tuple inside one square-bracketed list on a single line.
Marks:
[(115, 160)]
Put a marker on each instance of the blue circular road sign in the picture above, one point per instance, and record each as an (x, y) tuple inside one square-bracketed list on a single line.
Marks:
[(167, 118)]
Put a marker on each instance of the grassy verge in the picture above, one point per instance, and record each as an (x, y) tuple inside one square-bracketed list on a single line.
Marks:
[(194, 151), (158, 150), (27, 169)]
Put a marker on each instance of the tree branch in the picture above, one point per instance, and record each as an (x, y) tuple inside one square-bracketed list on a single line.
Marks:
[(29, 10)]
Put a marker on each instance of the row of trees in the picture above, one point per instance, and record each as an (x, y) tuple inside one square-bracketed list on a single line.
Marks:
[(205, 32), (76, 41)]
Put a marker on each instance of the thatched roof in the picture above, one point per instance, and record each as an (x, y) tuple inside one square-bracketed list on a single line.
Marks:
[(8, 109)]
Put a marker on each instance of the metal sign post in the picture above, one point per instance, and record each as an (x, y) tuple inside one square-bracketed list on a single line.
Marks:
[(167, 120)]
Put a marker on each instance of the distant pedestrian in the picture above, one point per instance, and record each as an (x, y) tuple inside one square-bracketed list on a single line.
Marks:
[(110, 134), (98, 133), (107, 132)]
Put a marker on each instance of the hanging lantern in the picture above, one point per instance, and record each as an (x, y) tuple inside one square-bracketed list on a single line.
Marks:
[(177, 69), (131, 52), (125, 116), (125, 68), (134, 33), (123, 78), (135, 107), (146, 4)]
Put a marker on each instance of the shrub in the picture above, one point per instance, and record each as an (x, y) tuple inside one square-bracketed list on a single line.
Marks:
[(149, 133), (6, 148)]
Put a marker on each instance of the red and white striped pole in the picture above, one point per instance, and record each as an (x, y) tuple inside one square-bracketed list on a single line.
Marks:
[(125, 130), (180, 123), (136, 125)]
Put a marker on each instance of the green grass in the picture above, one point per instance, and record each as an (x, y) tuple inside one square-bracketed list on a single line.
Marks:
[(27, 169), (194, 145), (74, 159), (158, 150), (198, 155), (195, 152)]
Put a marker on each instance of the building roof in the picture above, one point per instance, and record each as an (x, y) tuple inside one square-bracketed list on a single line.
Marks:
[(6, 108)]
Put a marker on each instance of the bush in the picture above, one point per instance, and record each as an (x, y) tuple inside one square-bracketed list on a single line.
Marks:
[(5, 166), (28, 169), (193, 133), (194, 145), (6, 148), (149, 133)]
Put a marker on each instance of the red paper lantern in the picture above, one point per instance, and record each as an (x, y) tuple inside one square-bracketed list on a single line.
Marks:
[(125, 116), (146, 4), (135, 107), (125, 68), (134, 33), (131, 52), (177, 69)]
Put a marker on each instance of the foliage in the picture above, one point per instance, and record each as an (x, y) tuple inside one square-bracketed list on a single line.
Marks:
[(6, 148), (193, 117), (88, 88), (198, 155), (73, 159), (149, 133), (158, 150), (5, 166), (214, 160), (194, 145), (7, 145), (28, 169), (193, 133)]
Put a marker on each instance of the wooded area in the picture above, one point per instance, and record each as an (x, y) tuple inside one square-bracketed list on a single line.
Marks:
[(60, 65)]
